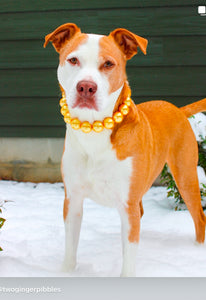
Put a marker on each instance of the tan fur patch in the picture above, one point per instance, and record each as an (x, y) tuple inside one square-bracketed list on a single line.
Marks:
[(116, 76), (71, 46)]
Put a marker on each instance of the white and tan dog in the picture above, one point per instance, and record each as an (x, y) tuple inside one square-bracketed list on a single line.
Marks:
[(114, 149)]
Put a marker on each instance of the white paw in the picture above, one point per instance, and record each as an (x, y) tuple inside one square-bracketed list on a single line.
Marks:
[(127, 274), (68, 266)]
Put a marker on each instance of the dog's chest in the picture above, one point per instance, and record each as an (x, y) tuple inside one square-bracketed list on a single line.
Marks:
[(91, 169)]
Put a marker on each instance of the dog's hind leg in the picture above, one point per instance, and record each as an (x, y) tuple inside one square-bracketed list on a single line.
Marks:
[(183, 165)]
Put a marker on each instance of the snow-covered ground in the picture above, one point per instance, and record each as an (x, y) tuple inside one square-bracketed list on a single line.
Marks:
[(33, 236)]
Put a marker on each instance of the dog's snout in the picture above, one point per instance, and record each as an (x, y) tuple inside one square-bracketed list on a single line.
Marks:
[(86, 88)]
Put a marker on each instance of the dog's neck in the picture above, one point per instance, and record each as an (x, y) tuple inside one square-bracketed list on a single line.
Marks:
[(121, 109)]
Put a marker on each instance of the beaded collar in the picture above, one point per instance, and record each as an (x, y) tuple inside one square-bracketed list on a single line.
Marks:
[(97, 126)]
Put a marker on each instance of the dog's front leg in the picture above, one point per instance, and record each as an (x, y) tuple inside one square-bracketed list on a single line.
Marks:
[(73, 210), (130, 221)]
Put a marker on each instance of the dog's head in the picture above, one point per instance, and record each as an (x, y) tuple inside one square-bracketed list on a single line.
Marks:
[(92, 67)]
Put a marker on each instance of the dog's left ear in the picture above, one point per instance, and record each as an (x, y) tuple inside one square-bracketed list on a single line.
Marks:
[(128, 42), (61, 35)]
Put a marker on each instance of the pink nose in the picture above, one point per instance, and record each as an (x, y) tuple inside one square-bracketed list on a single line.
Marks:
[(86, 88)]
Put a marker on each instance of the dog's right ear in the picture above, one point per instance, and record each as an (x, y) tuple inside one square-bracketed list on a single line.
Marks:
[(61, 35)]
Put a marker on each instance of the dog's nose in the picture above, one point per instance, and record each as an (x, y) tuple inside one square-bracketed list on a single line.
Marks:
[(86, 88)]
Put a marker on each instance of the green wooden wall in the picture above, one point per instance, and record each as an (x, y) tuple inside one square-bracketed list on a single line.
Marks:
[(174, 69)]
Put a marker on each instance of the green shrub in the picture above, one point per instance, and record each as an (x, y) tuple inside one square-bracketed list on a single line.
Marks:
[(202, 153)]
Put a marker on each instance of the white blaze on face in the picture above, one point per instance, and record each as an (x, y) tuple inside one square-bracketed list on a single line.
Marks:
[(88, 69)]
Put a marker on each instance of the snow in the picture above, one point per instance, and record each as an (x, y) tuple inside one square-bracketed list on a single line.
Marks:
[(32, 237), (198, 123)]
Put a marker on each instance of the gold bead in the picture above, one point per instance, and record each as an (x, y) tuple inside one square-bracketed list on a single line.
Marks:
[(75, 124), (98, 126), (118, 117), (124, 109), (67, 118), (62, 102), (86, 127), (127, 101), (108, 123), (64, 110)]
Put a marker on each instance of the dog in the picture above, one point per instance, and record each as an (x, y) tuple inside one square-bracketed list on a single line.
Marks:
[(114, 149)]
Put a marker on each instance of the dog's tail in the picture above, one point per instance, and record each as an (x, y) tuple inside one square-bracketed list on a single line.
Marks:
[(194, 108)]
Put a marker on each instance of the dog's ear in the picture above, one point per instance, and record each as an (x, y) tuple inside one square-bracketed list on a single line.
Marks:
[(61, 35), (128, 42)]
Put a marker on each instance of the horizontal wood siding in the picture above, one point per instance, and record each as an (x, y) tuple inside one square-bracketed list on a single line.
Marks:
[(158, 21), (48, 5), (149, 81), (162, 51), (174, 68)]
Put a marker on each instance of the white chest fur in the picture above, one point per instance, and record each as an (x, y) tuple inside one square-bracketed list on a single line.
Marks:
[(91, 169)]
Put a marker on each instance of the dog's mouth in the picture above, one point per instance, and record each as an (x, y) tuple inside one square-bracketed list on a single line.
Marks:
[(85, 102)]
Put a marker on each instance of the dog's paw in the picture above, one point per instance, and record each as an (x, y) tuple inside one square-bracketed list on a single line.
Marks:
[(68, 267), (127, 272), (123, 274)]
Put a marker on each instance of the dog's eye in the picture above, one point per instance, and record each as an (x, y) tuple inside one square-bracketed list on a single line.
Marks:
[(73, 61), (108, 64)]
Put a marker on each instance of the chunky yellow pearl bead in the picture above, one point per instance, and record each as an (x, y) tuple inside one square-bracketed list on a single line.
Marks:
[(124, 109), (108, 123), (67, 118), (75, 124), (62, 101), (98, 126), (127, 101), (64, 110), (118, 117), (86, 127)]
